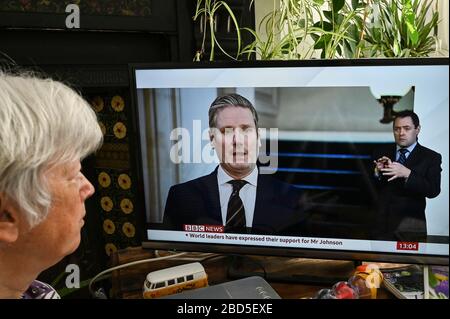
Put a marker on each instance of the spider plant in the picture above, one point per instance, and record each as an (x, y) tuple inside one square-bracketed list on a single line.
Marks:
[(400, 28), (206, 11), (304, 29), (336, 34), (301, 29), (288, 27)]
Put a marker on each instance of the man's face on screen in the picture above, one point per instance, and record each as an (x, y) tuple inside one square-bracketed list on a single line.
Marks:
[(405, 133), (236, 140)]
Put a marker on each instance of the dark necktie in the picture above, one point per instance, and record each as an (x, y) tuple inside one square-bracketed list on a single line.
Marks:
[(402, 157), (235, 222)]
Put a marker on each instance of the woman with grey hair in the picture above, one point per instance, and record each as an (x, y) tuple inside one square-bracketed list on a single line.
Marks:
[(46, 129)]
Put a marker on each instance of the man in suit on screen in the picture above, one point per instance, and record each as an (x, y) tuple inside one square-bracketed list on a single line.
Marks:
[(236, 194), (406, 174)]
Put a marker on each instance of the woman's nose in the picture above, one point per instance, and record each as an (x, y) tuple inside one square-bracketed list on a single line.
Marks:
[(87, 189)]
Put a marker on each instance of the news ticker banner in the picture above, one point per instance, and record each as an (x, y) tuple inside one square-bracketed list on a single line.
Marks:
[(197, 236)]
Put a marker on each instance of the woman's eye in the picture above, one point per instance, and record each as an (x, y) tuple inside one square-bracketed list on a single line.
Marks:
[(77, 176)]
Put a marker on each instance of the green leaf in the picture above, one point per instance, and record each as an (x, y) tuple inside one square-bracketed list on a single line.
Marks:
[(287, 47), (432, 279), (396, 49), (339, 19), (301, 23), (326, 26), (337, 5), (410, 20), (319, 45), (315, 37), (354, 32), (356, 4), (328, 15), (348, 52), (319, 2), (56, 281), (66, 291), (322, 42)]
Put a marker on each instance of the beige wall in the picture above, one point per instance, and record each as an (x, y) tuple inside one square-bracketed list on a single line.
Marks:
[(443, 26), (337, 109)]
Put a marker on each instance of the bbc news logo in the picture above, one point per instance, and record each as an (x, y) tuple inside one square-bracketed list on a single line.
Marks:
[(203, 228)]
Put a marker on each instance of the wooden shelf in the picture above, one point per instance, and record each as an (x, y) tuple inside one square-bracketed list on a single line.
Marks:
[(128, 282)]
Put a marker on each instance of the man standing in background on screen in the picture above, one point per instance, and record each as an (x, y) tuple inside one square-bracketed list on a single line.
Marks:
[(406, 172), (235, 195)]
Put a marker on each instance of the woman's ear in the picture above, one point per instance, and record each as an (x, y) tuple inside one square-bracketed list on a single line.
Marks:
[(9, 221)]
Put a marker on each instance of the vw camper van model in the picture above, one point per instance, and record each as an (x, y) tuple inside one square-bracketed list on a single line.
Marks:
[(174, 280)]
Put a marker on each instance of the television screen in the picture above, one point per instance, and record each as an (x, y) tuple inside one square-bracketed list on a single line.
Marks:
[(297, 158)]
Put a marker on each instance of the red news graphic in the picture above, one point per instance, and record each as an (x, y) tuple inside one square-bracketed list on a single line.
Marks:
[(407, 245), (203, 228)]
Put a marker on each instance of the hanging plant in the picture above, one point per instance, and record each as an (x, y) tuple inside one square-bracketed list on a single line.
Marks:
[(206, 11)]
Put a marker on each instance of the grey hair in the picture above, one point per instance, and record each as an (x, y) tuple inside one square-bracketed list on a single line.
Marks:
[(42, 123), (233, 100)]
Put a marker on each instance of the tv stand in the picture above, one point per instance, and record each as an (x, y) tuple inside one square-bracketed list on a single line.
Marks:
[(291, 270)]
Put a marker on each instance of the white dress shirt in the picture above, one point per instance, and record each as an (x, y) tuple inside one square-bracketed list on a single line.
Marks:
[(247, 193)]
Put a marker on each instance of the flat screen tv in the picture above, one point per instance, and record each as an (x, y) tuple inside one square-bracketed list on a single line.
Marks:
[(320, 122)]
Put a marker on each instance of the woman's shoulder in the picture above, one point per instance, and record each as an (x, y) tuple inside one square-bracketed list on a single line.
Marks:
[(40, 290)]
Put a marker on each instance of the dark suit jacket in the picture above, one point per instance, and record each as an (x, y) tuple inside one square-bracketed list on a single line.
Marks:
[(277, 207), (401, 205)]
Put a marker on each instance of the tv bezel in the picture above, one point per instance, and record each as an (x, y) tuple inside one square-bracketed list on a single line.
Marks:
[(271, 250)]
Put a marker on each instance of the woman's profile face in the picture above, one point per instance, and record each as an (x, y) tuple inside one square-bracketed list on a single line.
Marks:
[(59, 234)]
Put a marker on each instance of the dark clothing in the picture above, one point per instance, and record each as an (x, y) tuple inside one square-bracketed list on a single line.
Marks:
[(401, 204), (277, 207), (235, 221)]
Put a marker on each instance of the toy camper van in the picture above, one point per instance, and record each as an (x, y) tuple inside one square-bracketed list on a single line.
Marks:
[(174, 280)]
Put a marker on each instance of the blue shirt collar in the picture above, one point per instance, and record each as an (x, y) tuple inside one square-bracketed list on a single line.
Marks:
[(409, 148)]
